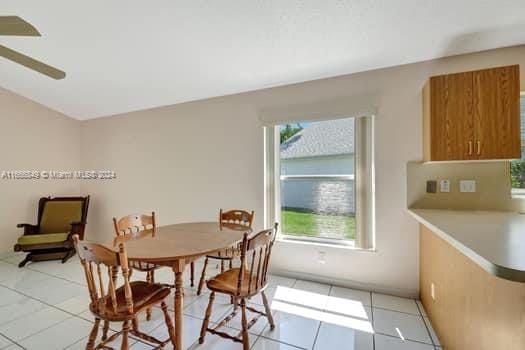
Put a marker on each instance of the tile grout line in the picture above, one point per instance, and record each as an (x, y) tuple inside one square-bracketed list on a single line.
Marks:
[(293, 345), (39, 300), (50, 274), (195, 317), (406, 340), (372, 316), (426, 327), (12, 341), (130, 339), (282, 342), (255, 342), (261, 335), (30, 297), (66, 311), (400, 312), (44, 329), (404, 313), (71, 315), (59, 277), (320, 322), (45, 273)]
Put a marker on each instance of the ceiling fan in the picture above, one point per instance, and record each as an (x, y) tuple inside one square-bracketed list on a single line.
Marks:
[(16, 26)]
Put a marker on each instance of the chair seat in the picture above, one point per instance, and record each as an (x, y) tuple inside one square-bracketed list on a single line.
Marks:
[(226, 283), (144, 295), (42, 238)]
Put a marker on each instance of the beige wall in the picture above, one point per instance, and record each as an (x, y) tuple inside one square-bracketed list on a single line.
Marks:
[(187, 160), (184, 162), (493, 190), (32, 137)]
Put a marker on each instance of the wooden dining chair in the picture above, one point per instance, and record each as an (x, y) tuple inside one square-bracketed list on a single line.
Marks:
[(122, 304), (132, 224), (242, 283), (232, 219)]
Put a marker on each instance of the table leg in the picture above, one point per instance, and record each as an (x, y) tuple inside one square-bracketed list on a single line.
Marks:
[(192, 277), (178, 269)]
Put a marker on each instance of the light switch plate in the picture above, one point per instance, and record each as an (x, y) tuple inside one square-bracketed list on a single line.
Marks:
[(467, 186), (444, 186)]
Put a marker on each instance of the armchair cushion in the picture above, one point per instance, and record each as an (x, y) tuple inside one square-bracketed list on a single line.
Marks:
[(42, 238), (57, 216)]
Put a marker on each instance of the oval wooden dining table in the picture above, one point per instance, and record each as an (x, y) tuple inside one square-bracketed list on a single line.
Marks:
[(176, 246)]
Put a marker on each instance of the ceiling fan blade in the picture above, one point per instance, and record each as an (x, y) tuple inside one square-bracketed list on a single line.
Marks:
[(31, 63), (14, 25)]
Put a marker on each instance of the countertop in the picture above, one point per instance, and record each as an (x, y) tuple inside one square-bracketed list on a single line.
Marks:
[(495, 240)]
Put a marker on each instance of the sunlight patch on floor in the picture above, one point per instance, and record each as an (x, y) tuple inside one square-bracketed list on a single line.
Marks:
[(341, 312)]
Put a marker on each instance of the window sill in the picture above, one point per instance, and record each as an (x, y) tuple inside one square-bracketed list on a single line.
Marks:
[(348, 245), (517, 193)]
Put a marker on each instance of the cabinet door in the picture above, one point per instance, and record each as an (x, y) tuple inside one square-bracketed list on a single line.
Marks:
[(497, 113), (451, 117)]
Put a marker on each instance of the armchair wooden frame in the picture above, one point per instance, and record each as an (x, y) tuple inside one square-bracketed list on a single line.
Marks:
[(122, 304), (57, 250), (238, 219), (243, 283)]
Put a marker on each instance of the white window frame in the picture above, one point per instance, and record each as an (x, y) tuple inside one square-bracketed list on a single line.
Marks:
[(364, 187), (517, 192)]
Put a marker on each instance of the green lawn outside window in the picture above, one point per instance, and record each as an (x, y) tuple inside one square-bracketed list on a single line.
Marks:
[(301, 223)]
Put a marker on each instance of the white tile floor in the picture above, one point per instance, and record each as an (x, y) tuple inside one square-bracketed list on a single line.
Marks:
[(44, 306)]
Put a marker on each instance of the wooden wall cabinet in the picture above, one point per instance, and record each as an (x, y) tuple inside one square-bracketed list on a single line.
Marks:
[(472, 115)]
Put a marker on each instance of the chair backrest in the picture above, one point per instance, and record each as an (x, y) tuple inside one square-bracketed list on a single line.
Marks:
[(101, 266), (237, 217), (55, 215), (134, 223), (255, 258)]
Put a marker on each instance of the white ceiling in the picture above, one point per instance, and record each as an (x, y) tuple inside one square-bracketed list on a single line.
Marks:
[(125, 55)]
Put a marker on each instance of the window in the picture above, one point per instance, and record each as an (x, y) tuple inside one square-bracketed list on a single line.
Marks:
[(321, 188), (517, 167)]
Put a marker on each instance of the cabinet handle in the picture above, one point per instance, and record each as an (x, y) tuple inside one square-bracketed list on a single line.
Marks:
[(478, 144), (470, 148)]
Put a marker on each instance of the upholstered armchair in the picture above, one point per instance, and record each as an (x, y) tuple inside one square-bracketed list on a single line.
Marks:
[(59, 219)]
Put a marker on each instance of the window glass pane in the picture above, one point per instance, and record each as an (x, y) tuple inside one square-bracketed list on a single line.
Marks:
[(318, 179), (517, 167)]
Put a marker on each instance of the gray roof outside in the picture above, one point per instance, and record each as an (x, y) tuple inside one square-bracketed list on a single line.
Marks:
[(324, 138)]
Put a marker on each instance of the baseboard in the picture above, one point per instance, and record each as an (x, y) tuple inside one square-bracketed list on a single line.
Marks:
[(347, 283)]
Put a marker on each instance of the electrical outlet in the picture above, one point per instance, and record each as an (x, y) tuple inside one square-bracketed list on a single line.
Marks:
[(467, 186), (432, 291), (321, 257), (444, 186), (431, 186)]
